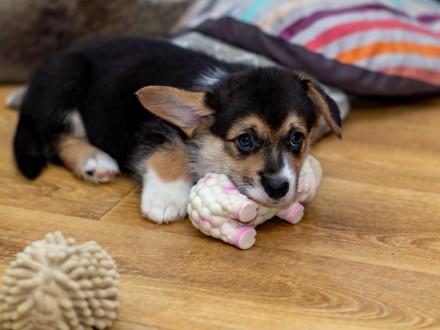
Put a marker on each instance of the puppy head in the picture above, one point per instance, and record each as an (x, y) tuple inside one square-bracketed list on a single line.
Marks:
[(255, 126)]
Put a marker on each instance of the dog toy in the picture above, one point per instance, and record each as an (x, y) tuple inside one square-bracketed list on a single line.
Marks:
[(56, 284), (219, 210)]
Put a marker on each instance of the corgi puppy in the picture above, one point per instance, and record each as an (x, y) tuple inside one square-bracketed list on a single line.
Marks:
[(168, 116)]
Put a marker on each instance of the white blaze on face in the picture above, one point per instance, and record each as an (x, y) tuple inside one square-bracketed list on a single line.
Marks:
[(287, 172)]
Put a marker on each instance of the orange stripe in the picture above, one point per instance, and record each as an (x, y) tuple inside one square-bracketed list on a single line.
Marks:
[(427, 76), (380, 48)]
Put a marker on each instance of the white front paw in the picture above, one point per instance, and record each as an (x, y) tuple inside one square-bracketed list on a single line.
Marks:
[(162, 211), (164, 202)]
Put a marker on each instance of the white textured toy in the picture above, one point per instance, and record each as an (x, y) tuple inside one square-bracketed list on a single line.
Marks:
[(55, 284), (219, 210)]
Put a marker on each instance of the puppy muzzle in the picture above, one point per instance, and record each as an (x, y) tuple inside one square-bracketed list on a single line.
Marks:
[(275, 187)]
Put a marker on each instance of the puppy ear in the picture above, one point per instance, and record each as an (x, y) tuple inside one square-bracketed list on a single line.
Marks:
[(186, 110), (329, 109)]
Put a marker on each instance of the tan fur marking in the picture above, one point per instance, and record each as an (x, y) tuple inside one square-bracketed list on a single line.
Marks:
[(264, 131), (251, 166), (323, 106), (170, 163), (247, 124), (73, 151), (299, 124), (182, 108), (227, 159), (295, 122)]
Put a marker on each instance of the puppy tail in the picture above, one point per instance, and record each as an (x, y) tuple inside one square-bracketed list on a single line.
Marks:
[(28, 149)]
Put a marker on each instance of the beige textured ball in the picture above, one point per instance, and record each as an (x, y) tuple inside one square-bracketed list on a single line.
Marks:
[(56, 284)]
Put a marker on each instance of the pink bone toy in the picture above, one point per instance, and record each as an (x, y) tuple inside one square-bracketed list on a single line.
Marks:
[(219, 210)]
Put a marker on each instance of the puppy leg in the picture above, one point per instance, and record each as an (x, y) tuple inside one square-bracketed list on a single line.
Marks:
[(87, 161), (166, 184)]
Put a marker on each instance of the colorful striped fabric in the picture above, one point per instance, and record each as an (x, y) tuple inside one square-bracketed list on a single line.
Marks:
[(387, 47)]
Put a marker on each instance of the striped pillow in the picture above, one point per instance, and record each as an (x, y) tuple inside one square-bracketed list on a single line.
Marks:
[(382, 47)]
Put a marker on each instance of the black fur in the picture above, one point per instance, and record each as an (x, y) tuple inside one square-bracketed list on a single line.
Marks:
[(269, 93), (99, 79), (28, 148)]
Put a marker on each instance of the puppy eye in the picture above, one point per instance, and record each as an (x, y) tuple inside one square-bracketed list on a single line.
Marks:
[(245, 143), (296, 140)]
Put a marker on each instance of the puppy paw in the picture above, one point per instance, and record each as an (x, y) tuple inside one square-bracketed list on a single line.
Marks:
[(163, 211), (100, 168), (164, 202), (309, 180), (307, 192)]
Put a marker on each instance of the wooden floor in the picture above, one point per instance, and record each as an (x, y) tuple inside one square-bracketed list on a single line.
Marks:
[(365, 256)]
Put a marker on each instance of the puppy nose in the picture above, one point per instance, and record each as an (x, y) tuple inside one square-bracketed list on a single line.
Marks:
[(275, 187)]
